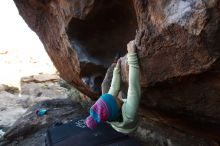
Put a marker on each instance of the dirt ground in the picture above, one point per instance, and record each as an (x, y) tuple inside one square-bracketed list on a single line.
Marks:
[(16, 63)]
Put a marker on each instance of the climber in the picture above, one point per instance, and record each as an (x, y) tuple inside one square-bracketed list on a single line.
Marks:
[(110, 107)]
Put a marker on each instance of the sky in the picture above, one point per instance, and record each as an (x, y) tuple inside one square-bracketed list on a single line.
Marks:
[(21, 51), (14, 32)]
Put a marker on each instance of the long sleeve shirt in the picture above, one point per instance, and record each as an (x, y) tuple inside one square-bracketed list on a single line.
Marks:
[(130, 106)]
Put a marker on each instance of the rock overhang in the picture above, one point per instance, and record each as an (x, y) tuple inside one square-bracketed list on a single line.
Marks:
[(101, 36)]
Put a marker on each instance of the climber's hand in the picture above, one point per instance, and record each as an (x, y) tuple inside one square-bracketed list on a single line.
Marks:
[(131, 47)]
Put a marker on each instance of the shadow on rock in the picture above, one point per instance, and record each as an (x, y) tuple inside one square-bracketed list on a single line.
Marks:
[(58, 111)]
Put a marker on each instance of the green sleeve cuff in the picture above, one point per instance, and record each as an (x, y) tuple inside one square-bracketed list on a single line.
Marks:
[(133, 60)]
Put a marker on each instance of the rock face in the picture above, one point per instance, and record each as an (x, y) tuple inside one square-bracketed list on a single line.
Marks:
[(11, 109), (34, 89), (59, 111), (19, 123), (177, 41)]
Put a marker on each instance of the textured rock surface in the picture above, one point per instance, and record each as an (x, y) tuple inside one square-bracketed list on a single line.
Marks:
[(34, 89), (177, 38), (11, 108), (59, 110), (12, 90), (18, 108), (49, 19), (159, 129), (177, 41), (43, 86), (30, 129)]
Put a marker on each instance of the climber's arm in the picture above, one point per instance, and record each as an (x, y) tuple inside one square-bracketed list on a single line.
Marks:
[(130, 107), (108, 78), (115, 84)]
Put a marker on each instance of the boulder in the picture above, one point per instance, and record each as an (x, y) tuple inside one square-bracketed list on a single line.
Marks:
[(10, 89), (43, 85), (177, 42), (41, 78), (14, 103), (58, 111), (11, 108)]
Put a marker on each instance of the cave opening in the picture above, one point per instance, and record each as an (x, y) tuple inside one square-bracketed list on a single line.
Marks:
[(102, 35)]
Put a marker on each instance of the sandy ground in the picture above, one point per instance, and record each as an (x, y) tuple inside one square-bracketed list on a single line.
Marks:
[(16, 63), (21, 51)]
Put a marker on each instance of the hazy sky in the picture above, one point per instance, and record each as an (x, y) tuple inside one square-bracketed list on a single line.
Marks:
[(21, 51), (14, 32)]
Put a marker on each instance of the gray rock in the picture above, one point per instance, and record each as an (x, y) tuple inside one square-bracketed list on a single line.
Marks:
[(41, 78), (10, 89), (177, 42), (47, 90), (10, 108), (59, 110)]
